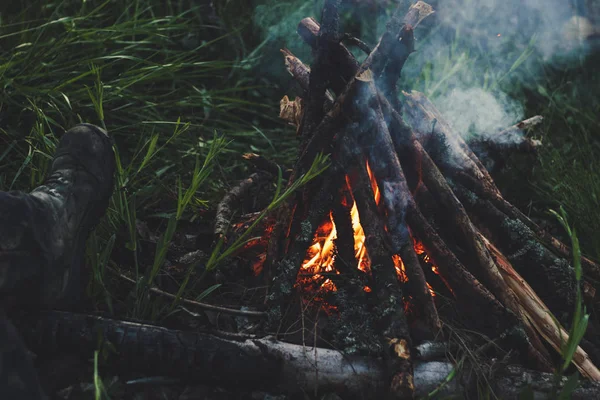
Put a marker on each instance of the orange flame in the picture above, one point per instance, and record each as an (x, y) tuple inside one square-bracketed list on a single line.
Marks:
[(320, 257)]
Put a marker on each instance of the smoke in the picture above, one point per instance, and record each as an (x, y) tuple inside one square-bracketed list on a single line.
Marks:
[(474, 111), (475, 56), (472, 57)]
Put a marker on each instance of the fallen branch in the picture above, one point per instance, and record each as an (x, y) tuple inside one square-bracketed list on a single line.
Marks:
[(263, 364)]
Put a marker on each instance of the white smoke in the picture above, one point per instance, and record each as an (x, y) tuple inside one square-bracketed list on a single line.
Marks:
[(473, 50), (474, 111)]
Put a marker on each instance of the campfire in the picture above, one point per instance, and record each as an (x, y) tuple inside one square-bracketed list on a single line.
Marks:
[(407, 210)]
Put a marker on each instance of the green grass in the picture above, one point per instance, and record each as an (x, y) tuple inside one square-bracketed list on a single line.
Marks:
[(186, 89), (169, 81)]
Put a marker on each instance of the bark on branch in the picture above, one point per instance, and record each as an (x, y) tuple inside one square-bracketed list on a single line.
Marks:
[(261, 363)]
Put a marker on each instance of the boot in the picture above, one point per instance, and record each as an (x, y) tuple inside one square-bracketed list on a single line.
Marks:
[(43, 233), (42, 244)]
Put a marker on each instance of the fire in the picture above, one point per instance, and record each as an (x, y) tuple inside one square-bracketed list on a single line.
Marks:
[(320, 258)]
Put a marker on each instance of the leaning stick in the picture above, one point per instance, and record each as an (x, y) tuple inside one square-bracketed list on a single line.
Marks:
[(540, 316)]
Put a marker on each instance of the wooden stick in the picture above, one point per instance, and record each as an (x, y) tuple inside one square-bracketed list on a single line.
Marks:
[(403, 138), (386, 286), (419, 108), (227, 205), (540, 315), (345, 261), (537, 355), (428, 123), (374, 138), (379, 57), (318, 78), (552, 278)]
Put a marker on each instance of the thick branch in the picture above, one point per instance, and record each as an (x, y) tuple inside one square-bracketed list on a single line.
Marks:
[(261, 363)]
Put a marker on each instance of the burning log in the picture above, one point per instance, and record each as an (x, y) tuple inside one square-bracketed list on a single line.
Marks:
[(393, 184)]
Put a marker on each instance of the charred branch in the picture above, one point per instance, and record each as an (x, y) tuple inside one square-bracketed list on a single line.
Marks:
[(390, 311), (232, 199), (318, 78), (344, 242)]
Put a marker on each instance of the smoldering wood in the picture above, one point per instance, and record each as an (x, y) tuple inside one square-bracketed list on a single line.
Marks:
[(286, 271), (432, 130), (318, 141), (495, 149), (289, 211), (374, 138), (519, 128), (536, 355), (434, 177), (482, 264), (308, 152), (467, 280), (463, 159), (390, 312), (345, 261)]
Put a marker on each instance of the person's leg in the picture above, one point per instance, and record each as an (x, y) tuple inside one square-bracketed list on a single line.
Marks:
[(18, 378), (43, 235)]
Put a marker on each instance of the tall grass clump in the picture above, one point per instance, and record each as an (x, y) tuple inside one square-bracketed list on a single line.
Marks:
[(166, 80)]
